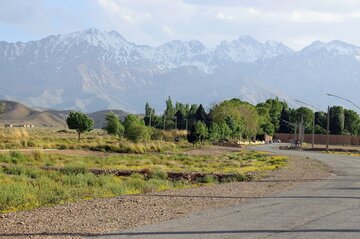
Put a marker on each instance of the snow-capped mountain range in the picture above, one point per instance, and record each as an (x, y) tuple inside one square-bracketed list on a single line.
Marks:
[(92, 70)]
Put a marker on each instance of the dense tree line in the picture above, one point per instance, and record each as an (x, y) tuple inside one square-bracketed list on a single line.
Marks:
[(228, 120)]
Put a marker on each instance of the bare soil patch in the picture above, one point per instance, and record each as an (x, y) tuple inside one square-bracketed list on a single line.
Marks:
[(75, 220)]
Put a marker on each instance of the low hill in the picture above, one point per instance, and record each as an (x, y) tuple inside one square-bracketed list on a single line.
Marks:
[(18, 114)]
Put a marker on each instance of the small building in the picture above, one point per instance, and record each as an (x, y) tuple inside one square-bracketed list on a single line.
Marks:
[(19, 126)]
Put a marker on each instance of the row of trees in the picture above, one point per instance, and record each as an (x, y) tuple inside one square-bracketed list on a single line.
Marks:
[(341, 121), (230, 119)]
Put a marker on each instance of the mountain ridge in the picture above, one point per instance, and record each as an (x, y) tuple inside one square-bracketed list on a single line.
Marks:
[(92, 70)]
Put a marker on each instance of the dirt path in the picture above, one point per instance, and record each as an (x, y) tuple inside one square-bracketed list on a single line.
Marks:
[(74, 220)]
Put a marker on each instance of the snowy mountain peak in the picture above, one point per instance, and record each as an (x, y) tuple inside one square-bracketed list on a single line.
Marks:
[(334, 48), (94, 37)]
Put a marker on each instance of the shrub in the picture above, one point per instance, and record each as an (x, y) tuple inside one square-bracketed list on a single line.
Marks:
[(38, 155), (63, 146), (158, 173), (16, 157), (209, 179), (74, 168)]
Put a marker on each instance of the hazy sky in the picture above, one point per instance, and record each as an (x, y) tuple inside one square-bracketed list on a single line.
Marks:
[(153, 22)]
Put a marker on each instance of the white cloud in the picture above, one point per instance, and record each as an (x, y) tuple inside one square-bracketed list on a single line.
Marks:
[(311, 16), (254, 12), (154, 22), (222, 16)]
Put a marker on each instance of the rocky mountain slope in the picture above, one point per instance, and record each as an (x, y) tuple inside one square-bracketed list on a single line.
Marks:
[(93, 70)]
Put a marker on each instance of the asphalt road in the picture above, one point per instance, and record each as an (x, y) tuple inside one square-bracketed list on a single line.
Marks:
[(327, 208)]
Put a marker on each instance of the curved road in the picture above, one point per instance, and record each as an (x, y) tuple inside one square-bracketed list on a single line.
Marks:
[(328, 208)]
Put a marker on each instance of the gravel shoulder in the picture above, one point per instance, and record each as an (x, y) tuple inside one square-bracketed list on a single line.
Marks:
[(95, 217)]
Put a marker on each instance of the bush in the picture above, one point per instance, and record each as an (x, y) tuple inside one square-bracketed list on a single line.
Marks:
[(209, 179), (74, 168), (38, 155), (16, 157), (138, 133), (63, 146), (158, 173)]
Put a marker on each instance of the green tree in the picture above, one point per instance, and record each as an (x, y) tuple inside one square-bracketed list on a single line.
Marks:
[(285, 121), (191, 115), (250, 120), (275, 108), (214, 132), (351, 122), (131, 120), (265, 125), (138, 133), (169, 114), (79, 122), (225, 131), (320, 122), (307, 115), (113, 125), (200, 114), (149, 115), (181, 122), (201, 131), (337, 119)]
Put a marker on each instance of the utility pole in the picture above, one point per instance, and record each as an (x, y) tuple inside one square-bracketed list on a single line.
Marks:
[(301, 130), (295, 131), (328, 129), (313, 133)]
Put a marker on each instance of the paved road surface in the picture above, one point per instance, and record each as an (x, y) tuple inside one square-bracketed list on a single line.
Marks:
[(319, 209)]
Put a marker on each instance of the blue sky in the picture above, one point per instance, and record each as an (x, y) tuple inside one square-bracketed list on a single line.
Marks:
[(297, 23)]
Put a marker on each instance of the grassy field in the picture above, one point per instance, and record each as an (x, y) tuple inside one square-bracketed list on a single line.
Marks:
[(25, 183), (97, 140)]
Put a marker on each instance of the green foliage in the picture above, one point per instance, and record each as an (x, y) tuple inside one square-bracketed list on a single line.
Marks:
[(225, 131), (113, 125), (149, 115), (307, 115), (242, 118), (201, 130), (170, 110), (337, 120), (138, 133), (132, 119), (351, 122), (214, 132), (275, 107), (200, 114), (285, 126), (79, 122)]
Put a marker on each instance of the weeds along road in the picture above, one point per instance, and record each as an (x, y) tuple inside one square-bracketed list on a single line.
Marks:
[(328, 208)]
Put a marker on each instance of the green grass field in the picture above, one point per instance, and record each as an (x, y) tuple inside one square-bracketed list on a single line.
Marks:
[(26, 184)]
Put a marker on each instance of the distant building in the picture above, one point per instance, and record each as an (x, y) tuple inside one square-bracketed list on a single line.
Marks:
[(19, 126)]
